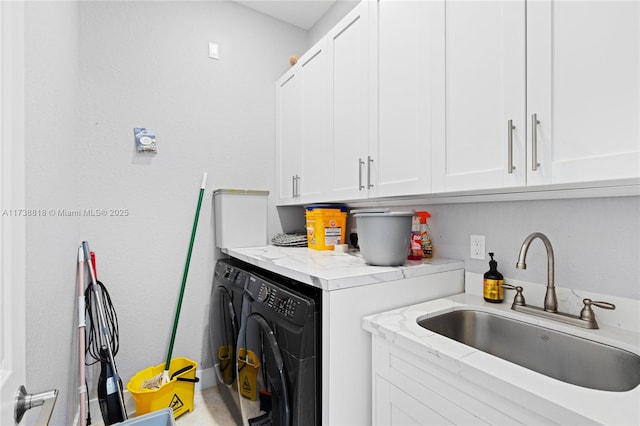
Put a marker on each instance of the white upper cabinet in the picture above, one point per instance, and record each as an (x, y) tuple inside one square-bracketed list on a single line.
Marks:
[(380, 100), (401, 162), (583, 84), (351, 77), (477, 85), (288, 135), (304, 129), (405, 98), (316, 152), (565, 74)]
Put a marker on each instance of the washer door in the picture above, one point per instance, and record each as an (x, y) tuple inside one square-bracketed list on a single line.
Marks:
[(223, 326), (262, 379)]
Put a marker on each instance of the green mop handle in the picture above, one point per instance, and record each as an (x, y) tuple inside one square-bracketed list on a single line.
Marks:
[(186, 271)]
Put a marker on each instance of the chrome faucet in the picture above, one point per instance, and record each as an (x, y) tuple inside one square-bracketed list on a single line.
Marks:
[(586, 318), (550, 299)]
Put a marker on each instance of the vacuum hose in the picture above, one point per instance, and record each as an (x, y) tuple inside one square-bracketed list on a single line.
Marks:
[(109, 384)]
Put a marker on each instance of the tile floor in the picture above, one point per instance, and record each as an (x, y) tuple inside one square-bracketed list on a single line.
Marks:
[(208, 410)]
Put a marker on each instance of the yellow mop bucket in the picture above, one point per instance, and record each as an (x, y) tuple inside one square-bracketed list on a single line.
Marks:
[(176, 394)]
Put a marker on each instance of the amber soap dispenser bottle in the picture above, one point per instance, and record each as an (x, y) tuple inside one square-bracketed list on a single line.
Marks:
[(493, 280)]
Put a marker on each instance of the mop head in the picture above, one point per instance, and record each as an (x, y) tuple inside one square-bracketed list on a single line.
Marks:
[(153, 383), (156, 381)]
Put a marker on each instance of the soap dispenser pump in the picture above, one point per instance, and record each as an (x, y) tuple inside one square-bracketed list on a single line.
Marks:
[(492, 284)]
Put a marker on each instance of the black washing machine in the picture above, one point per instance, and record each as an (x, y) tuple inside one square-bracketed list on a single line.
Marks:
[(279, 347), (224, 326)]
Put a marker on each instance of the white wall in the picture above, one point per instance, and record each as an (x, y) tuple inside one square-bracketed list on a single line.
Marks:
[(96, 70)]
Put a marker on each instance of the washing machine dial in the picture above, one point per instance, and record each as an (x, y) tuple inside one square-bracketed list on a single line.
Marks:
[(282, 304), (263, 294)]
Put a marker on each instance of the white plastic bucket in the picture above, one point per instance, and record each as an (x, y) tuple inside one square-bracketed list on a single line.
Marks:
[(384, 237)]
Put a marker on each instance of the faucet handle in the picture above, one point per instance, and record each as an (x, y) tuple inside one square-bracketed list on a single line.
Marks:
[(587, 313), (519, 298)]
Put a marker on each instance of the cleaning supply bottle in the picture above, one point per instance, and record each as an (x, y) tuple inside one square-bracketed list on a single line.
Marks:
[(415, 243), (493, 280), (425, 235)]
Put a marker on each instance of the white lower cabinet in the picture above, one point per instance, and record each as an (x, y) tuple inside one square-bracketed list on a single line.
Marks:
[(346, 360), (429, 389), (396, 407)]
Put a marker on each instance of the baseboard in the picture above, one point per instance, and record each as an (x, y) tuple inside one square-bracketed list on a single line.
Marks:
[(207, 378)]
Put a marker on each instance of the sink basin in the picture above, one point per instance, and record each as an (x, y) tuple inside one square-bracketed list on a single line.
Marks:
[(568, 358)]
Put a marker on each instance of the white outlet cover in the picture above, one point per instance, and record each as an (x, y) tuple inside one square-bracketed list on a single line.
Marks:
[(477, 247)]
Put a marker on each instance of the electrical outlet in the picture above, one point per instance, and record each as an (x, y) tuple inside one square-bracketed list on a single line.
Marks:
[(477, 247)]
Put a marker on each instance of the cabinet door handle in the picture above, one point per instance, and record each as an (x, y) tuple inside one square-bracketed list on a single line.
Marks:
[(297, 186), (293, 186), (369, 161), (360, 164), (534, 142), (510, 129)]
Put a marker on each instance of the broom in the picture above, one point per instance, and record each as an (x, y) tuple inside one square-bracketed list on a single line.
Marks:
[(161, 379)]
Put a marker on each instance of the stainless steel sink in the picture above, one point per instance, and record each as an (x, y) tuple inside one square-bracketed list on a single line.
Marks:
[(572, 359)]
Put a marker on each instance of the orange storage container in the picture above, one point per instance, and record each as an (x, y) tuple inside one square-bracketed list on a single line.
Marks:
[(326, 226)]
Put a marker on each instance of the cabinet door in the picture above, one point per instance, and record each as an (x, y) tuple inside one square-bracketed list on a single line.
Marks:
[(583, 78), (477, 85), (402, 163), (351, 78), (316, 156), (395, 407), (288, 135)]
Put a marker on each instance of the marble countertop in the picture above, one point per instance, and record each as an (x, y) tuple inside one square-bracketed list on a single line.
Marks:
[(400, 327), (332, 270)]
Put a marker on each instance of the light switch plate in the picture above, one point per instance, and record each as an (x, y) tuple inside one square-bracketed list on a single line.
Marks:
[(214, 51)]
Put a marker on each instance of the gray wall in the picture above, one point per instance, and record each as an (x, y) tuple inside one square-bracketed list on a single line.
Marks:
[(96, 70), (52, 163), (596, 241)]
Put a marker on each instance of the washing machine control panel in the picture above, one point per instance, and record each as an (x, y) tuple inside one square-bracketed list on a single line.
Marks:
[(278, 300)]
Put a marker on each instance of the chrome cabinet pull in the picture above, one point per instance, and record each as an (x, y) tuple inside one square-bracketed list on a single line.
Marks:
[(360, 164), (293, 186), (510, 129), (534, 142), (369, 161)]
